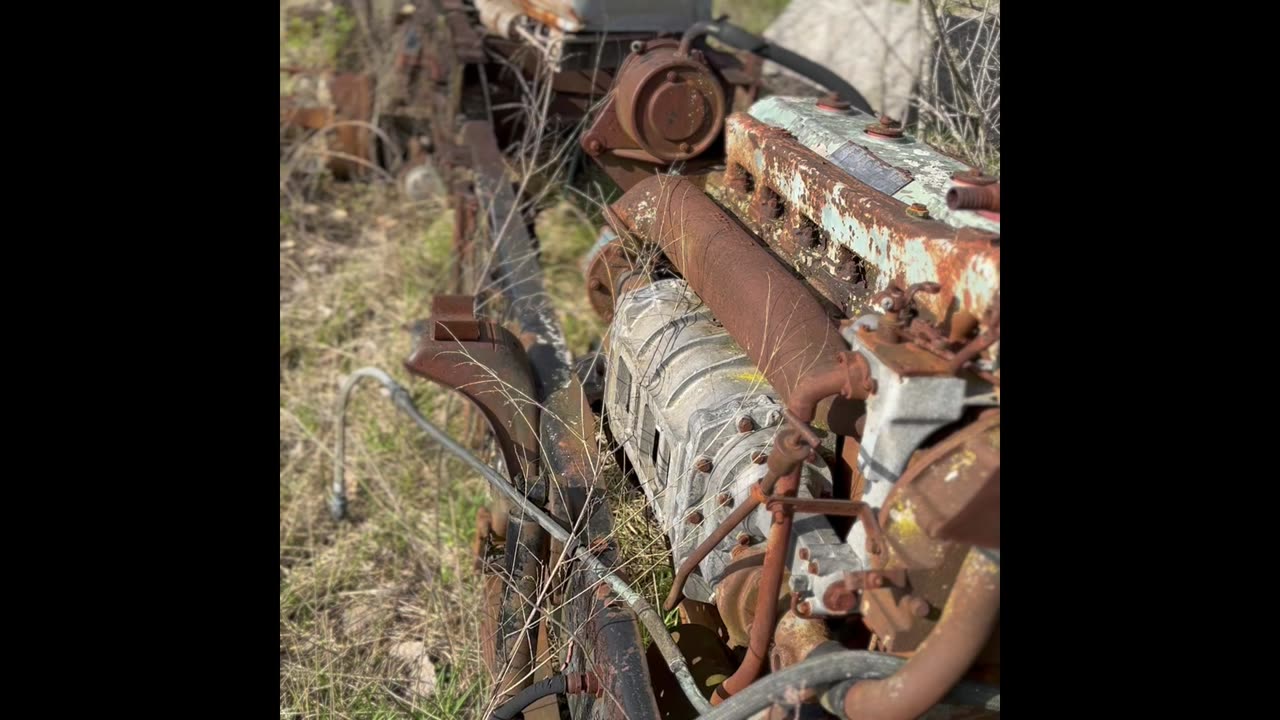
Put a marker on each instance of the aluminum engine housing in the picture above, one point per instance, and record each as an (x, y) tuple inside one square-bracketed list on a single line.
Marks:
[(678, 389)]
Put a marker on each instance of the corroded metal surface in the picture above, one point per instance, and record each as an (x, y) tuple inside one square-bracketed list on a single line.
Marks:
[(776, 320), (850, 240), (967, 623), (901, 166), (607, 641), (664, 107), (953, 492), (486, 363)]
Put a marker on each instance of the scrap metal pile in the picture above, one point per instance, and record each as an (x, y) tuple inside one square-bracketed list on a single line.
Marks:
[(801, 368)]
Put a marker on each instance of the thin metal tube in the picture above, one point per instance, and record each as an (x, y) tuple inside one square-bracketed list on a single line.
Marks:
[(643, 610)]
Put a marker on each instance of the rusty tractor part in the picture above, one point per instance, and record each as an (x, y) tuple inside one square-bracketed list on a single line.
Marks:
[(736, 598), (768, 588), (797, 345), (967, 623), (822, 212), (795, 637), (487, 364), (837, 215), (610, 636), (953, 491), (978, 197), (664, 107), (612, 271), (344, 120)]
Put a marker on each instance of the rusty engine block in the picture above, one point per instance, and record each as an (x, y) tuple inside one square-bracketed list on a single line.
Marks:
[(801, 367)]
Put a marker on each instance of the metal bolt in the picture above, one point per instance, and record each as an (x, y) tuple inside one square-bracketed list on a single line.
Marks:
[(703, 464), (746, 424), (694, 518), (917, 606), (803, 553), (725, 498), (918, 210), (833, 102), (887, 127), (804, 609), (759, 458)]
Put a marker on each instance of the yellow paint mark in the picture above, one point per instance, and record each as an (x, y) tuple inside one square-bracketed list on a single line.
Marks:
[(904, 522)]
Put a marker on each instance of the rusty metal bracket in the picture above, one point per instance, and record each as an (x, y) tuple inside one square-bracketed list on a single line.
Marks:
[(842, 508), (486, 363)]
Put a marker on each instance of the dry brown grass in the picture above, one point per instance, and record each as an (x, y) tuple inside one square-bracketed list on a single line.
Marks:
[(356, 265)]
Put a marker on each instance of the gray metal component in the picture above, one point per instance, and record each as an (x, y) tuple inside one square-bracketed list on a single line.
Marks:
[(902, 414), (905, 168), (677, 388)]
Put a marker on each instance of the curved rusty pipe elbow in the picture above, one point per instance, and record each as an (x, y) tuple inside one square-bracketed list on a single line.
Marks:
[(966, 625)]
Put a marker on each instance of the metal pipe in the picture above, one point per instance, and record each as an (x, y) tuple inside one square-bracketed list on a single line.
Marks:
[(970, 616), (790, 450), (833, 664), (765, 618), (644, 611), (700, 553), (974, 197), (773, 315)]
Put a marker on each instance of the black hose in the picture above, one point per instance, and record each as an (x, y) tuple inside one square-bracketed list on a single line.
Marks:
[(554, 685), (735, 36), (822, 669)]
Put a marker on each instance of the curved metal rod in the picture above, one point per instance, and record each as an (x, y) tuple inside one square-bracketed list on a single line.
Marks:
[(644, 611), (700, 553)]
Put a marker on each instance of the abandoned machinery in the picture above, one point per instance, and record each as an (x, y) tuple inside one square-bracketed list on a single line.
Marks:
[(801, 368)]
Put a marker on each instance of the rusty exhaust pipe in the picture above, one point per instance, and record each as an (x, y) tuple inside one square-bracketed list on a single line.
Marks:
[(771, 314)]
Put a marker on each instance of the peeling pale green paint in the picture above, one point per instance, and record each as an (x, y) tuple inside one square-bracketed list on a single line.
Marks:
[(836, 208), (825, 133)]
